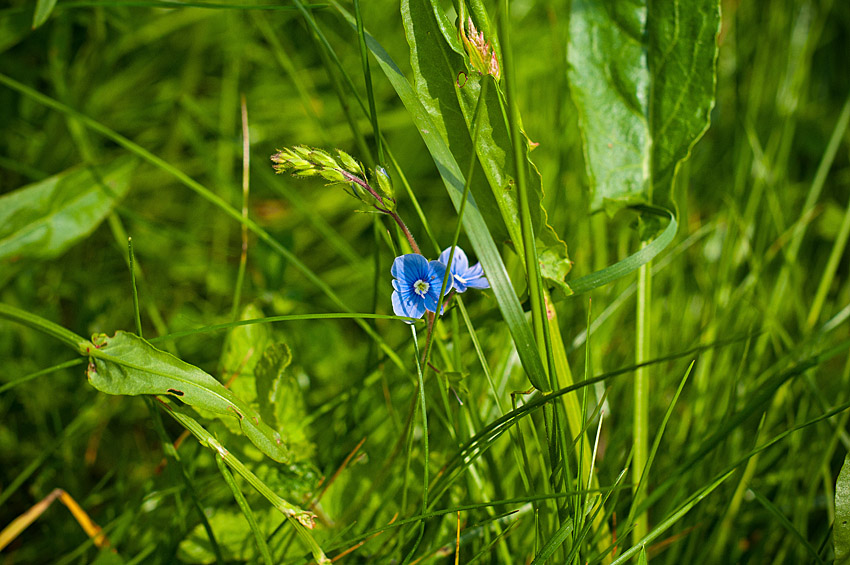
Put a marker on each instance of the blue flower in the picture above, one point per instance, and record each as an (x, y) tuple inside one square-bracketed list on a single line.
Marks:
[(417, 285), (463, 275)]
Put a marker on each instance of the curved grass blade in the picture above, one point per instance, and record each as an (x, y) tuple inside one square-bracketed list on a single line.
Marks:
[(674, 517), (302, 520), (260, 538), (786, 523), (631, 263), (26, 378)]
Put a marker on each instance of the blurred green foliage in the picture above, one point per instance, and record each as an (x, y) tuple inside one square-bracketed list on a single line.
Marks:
[(747, 266)]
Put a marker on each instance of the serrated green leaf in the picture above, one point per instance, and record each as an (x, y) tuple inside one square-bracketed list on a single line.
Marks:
[(281, 399), (128, 365), (642, 76), (244, 346), (43, 8), (42, 220), (456, 381), (298, 481), (841, 529), (270, 372)]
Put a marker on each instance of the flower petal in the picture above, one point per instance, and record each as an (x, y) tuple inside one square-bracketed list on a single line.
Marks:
[(478, 282), (460, 262), (430, 300), (410, 267), (410, 308), (436, 273), (475, 277), (460, 284)]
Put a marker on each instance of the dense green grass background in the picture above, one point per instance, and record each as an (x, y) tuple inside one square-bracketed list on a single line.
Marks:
[(748, 279)]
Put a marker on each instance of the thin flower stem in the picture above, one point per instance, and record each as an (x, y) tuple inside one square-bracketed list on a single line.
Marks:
[(432, 322), (432, 318), (413, 245), (383, 208), (363, 184)]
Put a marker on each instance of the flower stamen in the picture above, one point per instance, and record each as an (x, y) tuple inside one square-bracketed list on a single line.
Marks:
[(421, 287)]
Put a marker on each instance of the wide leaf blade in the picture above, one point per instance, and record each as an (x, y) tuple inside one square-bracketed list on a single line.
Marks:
[(42, 220), (642, 76), (128, 365)]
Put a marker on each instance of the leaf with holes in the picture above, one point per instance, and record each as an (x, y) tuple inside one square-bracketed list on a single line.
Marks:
[(127, 364)]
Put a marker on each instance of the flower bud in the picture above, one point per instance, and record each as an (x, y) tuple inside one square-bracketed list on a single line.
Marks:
[(348, 162), (385, 185)]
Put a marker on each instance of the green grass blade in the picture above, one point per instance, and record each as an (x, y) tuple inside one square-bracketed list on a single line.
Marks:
[(786, 523), (259, 537), (43, 8)]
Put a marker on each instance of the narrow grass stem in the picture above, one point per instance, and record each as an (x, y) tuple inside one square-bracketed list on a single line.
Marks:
[(246, 510), (367, 78), (828, 276), (246, 184), (532, 266), (76, 342), (171, 452), (641, 397), (136, 313)]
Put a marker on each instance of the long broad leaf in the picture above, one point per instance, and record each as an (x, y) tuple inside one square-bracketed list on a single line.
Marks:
[(42, 220), (127, 364), (642, 75), (473, 220)]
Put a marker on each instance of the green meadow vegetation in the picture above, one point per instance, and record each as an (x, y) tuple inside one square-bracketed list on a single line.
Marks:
[(220, 342)]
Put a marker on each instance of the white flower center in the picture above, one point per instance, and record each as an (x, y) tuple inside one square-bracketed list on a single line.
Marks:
[(460, 279), (421, 287)]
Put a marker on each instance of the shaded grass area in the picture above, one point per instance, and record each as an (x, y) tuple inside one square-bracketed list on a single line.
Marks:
[(754, 290)]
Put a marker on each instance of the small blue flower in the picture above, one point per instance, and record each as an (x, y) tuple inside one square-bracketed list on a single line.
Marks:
[(417, 285), (463, 275)]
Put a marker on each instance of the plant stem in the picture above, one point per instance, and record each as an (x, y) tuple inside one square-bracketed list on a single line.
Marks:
[(76, 342), (641, 396), (246, 510), (246, 184), (406, 232), (532, 266)]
